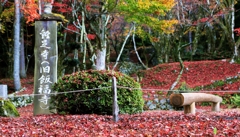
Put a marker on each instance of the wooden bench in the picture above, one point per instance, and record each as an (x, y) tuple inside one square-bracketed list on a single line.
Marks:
[(188, 100)]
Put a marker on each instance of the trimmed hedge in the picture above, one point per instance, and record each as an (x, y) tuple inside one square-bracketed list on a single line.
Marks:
[(97, 101)]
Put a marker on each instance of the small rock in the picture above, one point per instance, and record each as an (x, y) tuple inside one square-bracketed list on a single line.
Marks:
[(152, 106), (156, 100), (163, 101)]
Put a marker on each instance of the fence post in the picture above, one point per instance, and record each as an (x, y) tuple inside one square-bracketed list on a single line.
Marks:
[(3, 91), (115, 104)]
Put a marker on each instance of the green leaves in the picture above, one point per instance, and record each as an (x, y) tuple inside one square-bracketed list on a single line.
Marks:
[(99, 99), (215, 131), (147, 12), (236, 100)]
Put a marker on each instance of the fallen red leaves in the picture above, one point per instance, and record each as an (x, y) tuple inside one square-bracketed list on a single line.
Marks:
[(197, 73), (155, 123)]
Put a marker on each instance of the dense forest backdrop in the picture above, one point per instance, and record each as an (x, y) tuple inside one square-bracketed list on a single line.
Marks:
[(147, 32)]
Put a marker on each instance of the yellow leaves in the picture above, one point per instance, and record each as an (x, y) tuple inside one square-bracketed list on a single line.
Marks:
[(168, 27), (6, 18), (140, 32), (7, 14), (148, 14), (164, 26), (168, 3), (153, 19), (156, 5), (62, 17), (144, 4)]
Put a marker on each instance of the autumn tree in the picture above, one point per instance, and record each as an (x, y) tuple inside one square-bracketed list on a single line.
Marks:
[(205, 28), (90, 22), (212, 21), (147, 17)]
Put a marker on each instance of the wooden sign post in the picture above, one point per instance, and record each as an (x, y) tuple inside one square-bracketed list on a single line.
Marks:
[(45, 73)]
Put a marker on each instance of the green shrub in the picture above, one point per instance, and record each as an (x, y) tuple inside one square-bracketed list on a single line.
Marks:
[(231, 100), (237, 60), (236, 100), (7, 109), (97, 101), (129, 67)]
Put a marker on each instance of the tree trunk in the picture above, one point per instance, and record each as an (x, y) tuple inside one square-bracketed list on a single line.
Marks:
[(180, 73), (182, 68), (22, 57), (100, 60), (102, 50), (123, 45), (83, 44), (135, 48), (16, 54), (235, 49), (195, 41)]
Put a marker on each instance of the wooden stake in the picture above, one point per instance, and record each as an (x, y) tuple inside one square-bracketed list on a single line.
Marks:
[(115, 104)]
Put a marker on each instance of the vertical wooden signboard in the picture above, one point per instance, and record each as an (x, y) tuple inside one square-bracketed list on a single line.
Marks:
[(45, 73)]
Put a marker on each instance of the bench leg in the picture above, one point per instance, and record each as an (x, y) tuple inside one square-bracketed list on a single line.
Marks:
[(190, 108), (216, 106)]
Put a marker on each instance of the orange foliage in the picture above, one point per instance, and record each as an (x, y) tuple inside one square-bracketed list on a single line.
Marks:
[(30, 11)]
